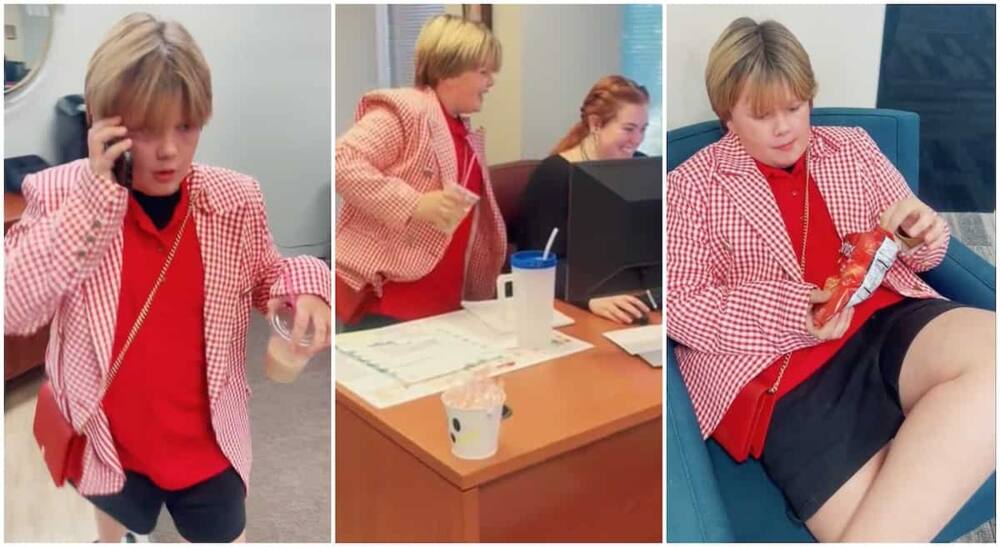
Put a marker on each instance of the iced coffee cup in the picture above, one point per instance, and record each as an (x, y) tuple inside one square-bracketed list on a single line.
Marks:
[(284, 361), (469, 200)]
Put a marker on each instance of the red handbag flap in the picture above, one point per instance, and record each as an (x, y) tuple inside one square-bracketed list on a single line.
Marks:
[(53, 433), (351, 304), (743, 428)]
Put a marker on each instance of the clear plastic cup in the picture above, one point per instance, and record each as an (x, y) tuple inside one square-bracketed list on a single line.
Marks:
[(469, 200), (283, 362)]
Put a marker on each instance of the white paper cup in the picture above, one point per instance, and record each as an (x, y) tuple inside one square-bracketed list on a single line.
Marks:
[(474, 432)]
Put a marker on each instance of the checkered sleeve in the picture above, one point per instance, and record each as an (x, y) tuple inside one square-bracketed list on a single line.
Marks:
[(766, 317), (306, 274), (71, 219), (891, 187), (373, 144)]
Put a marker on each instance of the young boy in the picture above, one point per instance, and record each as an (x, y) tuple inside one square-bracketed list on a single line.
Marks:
[(172, 427)]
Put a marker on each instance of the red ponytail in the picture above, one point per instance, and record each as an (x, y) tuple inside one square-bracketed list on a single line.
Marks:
[(603, 100)]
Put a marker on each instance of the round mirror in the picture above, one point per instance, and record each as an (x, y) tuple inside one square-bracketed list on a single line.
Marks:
[(27, 30)]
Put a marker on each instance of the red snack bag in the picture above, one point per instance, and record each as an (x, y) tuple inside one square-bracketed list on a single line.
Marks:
[(864, 259)]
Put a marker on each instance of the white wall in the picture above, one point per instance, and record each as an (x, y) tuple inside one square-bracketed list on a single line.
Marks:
[(357, 71), (502, 112), (552, 55), (565, 49), (271, 84), (844, 43)]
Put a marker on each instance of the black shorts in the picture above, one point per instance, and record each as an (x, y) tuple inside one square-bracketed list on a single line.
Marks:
[(370, 321), (213, 510), (827, 428)]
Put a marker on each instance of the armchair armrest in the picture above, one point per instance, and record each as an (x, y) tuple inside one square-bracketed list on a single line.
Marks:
[(964, 276), (695, 511)]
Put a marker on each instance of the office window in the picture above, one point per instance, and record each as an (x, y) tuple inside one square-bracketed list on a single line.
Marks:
[(642, 60), (403, 26)]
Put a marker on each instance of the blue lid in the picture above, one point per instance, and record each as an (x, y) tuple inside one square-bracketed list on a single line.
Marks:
[(532, 260)]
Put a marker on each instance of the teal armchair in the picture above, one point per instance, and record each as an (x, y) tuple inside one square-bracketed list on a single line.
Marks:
[(710, 498)]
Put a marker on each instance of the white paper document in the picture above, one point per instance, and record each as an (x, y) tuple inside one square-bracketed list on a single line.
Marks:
[(420, 355), (499, 315), (638, 340), (403, 362), (654, 358)]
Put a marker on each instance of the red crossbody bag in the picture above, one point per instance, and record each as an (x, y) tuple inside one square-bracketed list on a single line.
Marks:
[(59, 442), (743, 428)]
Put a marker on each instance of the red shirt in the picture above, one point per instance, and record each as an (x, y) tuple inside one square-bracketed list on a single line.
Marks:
[(157, 406), (822, 248), (440, 291)]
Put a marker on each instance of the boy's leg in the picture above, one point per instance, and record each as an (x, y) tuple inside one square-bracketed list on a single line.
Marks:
[(212, 511), (109, 530), (136, 508), (241, 539), (946, 446)]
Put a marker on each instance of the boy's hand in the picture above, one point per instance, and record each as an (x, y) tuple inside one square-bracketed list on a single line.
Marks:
[(836, 326), (308, 309), (441, 208), (916, 221), (102, 156)]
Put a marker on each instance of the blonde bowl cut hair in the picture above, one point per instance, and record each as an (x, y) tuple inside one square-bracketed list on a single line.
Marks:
[(142, 63), (764, 59), (449, 45)]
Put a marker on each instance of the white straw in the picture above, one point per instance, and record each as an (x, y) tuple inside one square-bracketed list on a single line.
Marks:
[(548, 246)]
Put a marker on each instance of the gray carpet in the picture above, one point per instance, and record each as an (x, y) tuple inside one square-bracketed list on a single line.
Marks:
[(977, 230), (987, 533), (289, 497)]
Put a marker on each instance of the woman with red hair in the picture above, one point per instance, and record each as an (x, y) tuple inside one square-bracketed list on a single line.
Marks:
[(612, 125)]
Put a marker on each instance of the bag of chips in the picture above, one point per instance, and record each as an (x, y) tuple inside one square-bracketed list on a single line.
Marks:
[(864, 259)]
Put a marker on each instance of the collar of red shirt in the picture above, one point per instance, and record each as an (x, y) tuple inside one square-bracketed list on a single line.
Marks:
[(136, 214), (777, 173), (458, 125)]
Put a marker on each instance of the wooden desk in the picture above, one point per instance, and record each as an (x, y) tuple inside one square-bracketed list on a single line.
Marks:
[(20, 353), (580, 459)]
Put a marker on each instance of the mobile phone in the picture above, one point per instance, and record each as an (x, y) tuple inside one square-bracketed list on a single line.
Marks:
[(122, 169)]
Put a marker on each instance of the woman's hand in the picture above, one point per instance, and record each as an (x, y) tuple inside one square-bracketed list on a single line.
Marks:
[(309, 308), (836, 326), (622, 308), (916, 220), (102, 156), (441, 208)]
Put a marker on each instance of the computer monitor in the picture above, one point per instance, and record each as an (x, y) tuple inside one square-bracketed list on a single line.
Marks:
[(615, 229)]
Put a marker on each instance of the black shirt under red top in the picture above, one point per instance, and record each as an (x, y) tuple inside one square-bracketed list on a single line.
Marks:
[(822, 249), (440, 291)]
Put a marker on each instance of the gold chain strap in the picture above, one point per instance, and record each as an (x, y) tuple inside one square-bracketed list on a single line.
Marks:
[(149, 300), (802, 268)]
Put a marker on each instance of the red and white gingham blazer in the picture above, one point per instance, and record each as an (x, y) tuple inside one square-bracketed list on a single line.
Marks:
[(736, 300), (63, 264), (399, 148)]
